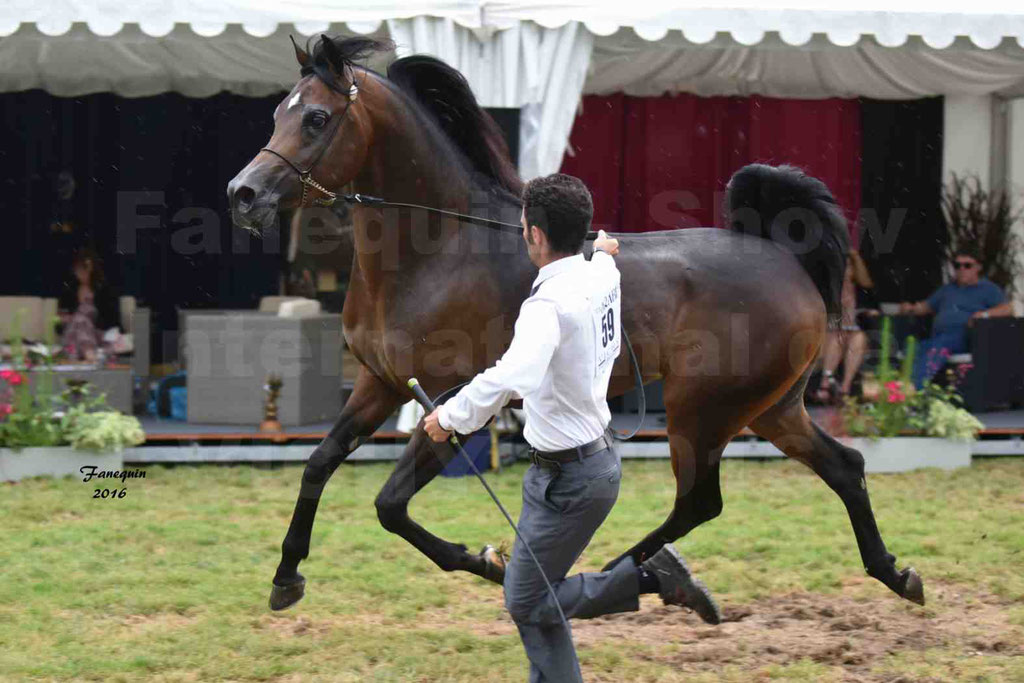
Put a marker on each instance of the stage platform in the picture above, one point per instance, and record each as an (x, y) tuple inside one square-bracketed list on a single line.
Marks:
[(174, 441)]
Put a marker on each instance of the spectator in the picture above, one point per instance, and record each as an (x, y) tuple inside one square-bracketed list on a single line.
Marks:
[(87, 307), (849, 343), (956, 306)]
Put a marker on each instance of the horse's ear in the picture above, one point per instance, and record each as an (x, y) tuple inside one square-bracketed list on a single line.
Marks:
[(333, 56), (300, 54)]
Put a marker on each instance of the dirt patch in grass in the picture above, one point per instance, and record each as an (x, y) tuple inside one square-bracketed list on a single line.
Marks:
[(295, 626), (845, 631), (156, 623)]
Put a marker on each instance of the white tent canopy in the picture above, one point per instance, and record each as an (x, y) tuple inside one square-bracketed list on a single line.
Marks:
[(540, 56), (938, 22)]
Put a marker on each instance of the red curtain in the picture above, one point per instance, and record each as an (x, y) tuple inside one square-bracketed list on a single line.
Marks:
[(654, 163)]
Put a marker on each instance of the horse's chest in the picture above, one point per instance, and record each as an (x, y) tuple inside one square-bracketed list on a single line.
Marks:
[(383, 332)]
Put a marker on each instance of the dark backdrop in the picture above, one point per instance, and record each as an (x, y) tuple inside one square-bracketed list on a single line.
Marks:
[(507, 119), (188, 149), (901, 176), (115, 149)]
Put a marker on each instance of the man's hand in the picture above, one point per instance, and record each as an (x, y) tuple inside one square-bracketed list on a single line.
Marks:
[(606, 244), (434, 429), (908, 308)]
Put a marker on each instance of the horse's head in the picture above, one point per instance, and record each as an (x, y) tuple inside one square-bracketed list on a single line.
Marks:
[(321, 134)]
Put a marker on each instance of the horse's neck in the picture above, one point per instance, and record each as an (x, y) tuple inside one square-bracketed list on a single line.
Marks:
[(408, 164)]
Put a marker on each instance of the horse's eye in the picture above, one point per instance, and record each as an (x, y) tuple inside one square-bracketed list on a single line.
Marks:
[(317, 119)]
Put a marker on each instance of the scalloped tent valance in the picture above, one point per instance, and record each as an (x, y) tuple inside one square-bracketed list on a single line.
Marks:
[(533, 54), (986, 24)]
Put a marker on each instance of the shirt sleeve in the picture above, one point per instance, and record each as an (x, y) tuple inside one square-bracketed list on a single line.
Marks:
[(993, 295), (518, 373), (935, 300), (603, 259)]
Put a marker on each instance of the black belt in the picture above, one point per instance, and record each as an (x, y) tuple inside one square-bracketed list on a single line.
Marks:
[(556, 458)]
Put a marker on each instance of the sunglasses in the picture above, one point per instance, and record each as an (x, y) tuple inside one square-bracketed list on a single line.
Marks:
[(964, 265)]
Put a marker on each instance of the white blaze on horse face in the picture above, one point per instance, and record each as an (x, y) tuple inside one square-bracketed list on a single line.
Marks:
[(294, 100)]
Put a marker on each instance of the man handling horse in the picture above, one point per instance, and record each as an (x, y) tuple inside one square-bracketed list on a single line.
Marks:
[(559, 363)]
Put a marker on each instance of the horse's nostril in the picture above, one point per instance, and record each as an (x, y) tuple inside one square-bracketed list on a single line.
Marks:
[(244, 197)]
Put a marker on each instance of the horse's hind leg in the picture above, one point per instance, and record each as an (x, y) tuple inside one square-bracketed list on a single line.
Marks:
[(696, 457), (422, 460), (789, 427), (368, 406)]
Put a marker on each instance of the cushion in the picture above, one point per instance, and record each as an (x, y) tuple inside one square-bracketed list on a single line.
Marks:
[(271, 304), (36, 312), (299, 308)]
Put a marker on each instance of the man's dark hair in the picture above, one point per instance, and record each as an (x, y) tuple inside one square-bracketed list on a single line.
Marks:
[(969, 252), (561, 206)]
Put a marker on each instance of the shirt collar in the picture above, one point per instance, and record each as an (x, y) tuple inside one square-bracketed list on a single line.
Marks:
[(562, 265)]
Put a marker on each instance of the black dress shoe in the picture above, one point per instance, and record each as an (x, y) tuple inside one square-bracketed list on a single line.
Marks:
[(494, 564), (678, 586)]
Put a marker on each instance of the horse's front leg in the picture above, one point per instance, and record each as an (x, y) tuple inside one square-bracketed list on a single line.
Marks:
[(422, 460), (366, 409)]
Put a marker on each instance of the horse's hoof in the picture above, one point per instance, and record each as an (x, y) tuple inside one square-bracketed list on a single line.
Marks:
[(911, 586), (494, 564), (283, 597)]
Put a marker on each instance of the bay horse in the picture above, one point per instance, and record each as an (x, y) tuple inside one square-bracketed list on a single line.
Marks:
[(730, 319)]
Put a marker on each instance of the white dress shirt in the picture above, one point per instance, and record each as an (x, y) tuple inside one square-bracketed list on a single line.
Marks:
[(560, 359)]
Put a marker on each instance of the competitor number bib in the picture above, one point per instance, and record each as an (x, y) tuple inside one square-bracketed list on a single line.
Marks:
[(605, 313)]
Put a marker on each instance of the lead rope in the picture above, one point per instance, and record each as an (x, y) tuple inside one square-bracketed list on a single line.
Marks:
[(367, 200)]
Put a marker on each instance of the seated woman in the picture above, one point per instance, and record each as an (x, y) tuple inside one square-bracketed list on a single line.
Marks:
[(849, 343), (87, 308)]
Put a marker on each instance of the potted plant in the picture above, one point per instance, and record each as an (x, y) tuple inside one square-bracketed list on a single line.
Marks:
[(897, 428), (44, 433), (987, 219)]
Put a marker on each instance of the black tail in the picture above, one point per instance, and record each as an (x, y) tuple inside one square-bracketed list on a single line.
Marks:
[(796, 211)]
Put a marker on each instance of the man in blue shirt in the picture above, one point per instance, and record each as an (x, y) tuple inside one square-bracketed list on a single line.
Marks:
[(956, 306)]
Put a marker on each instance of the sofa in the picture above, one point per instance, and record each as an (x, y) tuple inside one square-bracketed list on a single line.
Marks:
[(116, 382), (993, 377), (36, 311), (229, 356)]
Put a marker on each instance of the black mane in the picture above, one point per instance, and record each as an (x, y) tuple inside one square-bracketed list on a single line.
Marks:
[(343, 54), (446, 95), (442, 93)]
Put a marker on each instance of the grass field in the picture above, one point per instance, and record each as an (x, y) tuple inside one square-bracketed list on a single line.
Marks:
[(170, 583)]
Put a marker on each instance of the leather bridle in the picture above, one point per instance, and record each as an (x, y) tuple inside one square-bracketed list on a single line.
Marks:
[(306, 176)]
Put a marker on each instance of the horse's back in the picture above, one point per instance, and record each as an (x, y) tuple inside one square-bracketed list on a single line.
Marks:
[(717, 313), (718, 267)]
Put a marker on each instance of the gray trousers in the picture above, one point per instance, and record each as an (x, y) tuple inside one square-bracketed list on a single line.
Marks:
[(561, 511)]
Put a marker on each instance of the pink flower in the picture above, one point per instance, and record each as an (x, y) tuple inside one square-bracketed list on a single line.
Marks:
[(897, 397), (5, 409), (892, 386), (11, 377)]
